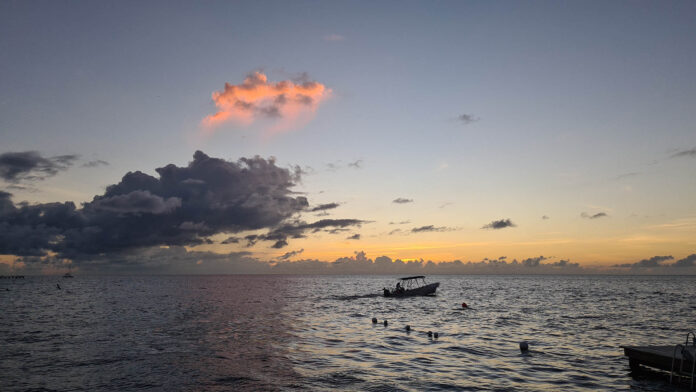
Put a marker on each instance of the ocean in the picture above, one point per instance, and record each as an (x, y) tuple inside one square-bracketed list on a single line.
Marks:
[(287, 333)]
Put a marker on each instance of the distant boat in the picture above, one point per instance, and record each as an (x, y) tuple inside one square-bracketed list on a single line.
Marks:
[(412, 286), (68, 275)]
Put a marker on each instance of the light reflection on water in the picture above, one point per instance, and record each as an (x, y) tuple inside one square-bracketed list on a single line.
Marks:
[(298, 333)]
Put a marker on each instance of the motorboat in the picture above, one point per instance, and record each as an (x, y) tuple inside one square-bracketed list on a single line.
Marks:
[(412, 286)]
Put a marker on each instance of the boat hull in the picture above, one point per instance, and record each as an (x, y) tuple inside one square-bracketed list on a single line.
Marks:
[(428, 289)]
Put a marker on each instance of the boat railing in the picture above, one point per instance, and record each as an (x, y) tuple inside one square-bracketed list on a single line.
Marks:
[(693, 335), (687, 354)]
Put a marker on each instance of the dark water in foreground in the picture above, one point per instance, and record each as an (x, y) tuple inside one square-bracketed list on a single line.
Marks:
[(314, 333)]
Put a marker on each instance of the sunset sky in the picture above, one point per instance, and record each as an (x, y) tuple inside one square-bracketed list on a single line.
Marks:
[(539, 132)]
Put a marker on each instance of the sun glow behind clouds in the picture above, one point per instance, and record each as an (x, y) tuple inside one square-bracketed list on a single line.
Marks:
[(288, 103)]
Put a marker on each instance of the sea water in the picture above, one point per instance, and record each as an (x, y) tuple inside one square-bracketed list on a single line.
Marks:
[(222, 333)]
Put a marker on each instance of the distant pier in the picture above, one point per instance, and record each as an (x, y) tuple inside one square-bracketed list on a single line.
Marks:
[(11, 276)]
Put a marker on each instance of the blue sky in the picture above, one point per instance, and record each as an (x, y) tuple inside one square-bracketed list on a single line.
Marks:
[(577, 107)]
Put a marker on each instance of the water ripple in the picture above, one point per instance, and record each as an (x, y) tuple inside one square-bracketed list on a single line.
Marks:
[(282, 333)]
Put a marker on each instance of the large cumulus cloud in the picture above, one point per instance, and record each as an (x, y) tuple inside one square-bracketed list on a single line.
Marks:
[(181, 206)]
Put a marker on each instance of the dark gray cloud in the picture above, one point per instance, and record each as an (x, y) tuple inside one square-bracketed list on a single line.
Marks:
[(430, 228), (691, 153), (533, 261), (688, 261), (290, 254), (31, 166), (231, 240), (298, 229), (544, 217), (31, 230), (655, 261), (564, 264), (182, 206), (354, 237), (279, 244), (324, 207), (300, 171), (626, 175), (137, 202), (594, 216), (337, 165), (402, 200), (400, 223), (467, 118), (499, 224), (23, 188), (355, 165), (95, 163)]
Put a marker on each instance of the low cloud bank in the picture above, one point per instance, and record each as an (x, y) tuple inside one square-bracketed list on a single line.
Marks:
[(659, 264), (178, 260)]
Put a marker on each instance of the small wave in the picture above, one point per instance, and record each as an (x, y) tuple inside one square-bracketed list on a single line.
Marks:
[(233, 380), (354, 297), (341, 379), (467, 350)]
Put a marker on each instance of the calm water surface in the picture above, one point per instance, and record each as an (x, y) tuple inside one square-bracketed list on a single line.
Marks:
[(315, 333)]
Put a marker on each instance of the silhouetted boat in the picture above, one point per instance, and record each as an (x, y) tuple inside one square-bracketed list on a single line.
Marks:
[(411, 286), (68, 275)]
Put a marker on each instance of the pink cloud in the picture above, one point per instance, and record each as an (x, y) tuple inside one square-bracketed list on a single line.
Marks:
[(289, 104)]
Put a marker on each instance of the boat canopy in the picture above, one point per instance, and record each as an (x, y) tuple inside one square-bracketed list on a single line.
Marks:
[(413, 277)]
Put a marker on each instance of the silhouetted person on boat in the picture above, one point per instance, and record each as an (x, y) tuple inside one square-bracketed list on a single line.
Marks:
[(399, 289)]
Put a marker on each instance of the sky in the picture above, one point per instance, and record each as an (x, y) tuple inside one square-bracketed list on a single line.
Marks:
[(351, 137)]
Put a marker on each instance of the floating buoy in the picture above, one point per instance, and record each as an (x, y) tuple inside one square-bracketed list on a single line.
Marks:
[(436, 335), (524, 347), (374, 320), (408, 328), (386, 323), (464, 305), (430, 334)]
